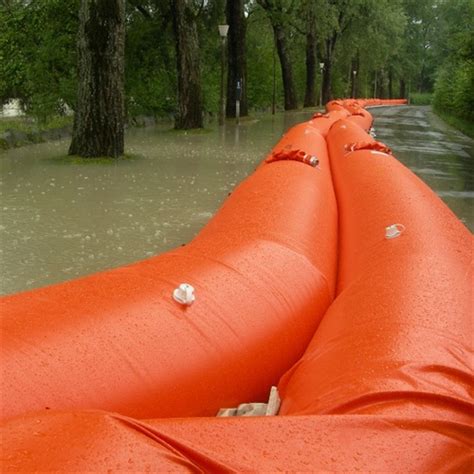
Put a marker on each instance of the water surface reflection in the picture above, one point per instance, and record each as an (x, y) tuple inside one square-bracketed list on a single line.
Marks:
[(60, 221)]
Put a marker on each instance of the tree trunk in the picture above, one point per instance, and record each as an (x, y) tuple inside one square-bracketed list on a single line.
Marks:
[(310, 90), (99, 117), (190, 104), (275, 13), (390, 83), (403, 92), (237, 62), (422, 78), (382, 93), (289, 90), (327, 73)]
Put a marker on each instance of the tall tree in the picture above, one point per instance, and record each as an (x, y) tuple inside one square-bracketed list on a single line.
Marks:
[(277, 13), (454, 86), (421, 32), (310, 91), (99, 117), (339, 15), (190, 104), (237, 62), (37, 50)]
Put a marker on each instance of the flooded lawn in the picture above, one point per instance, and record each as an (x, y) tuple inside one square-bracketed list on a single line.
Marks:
[(62, 220)]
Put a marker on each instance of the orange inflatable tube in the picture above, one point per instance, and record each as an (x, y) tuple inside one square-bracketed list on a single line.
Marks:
[(101, 442), (263, 271), (385, 383), (398, 338), (323, 122)]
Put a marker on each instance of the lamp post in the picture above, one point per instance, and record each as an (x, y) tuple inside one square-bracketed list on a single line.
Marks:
[(354, 74), (238, 96), (274, 80), (321, 69), (223, 29)]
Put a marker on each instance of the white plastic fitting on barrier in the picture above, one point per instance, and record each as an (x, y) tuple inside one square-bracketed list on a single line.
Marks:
[(184, 294), (394, 230), (372, 132)]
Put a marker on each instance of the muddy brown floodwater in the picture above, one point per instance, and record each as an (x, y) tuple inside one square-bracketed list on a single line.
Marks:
[(59, 221)]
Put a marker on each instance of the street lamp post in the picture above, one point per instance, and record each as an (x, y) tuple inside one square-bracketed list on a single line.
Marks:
[(223, 29), (321, 68), (238, 96), (274, 80), (354, 74)]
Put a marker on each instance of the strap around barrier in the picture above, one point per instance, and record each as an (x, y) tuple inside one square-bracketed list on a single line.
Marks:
[(319, 115), (293, 155), (376, 146)]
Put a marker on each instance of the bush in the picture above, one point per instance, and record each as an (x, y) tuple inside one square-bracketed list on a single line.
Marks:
[(417, 98), (454, 89)]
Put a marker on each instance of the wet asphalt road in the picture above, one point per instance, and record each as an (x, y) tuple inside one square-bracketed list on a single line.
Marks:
[(440, 155)]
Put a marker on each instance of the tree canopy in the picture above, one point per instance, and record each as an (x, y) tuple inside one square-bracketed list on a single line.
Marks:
[(382, 47)]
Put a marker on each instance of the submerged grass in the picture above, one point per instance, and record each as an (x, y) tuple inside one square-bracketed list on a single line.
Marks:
[(191, 131), (464, 126), (96, 160), (421, 98), (28, 124)]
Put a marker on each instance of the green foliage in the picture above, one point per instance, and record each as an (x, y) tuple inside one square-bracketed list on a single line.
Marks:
[(421, 98), (150, 81), (210, 49), (29, 125), (262, 64), (37, 54), (454, 87), (465, 126), (418, 59), (425, 43)]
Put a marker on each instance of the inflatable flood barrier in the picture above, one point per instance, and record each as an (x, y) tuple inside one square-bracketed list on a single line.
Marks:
[(264, 273), (101, 442), (384, 385), (400, 331)]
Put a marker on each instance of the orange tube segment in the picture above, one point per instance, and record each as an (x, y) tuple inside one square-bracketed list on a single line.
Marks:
[(263, 271), (398, 338), (323, 122), (101, 442)]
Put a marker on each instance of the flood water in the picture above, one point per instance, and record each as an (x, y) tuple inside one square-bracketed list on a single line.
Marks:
[(61, 220)]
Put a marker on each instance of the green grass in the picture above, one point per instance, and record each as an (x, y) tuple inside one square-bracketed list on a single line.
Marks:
[(191, 131), (29, 124), (96, 160), (464, 126), (417, 98)]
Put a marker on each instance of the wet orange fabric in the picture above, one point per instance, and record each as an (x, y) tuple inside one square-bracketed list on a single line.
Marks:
[(101, 442), (263, 271), (323, 122), (385, 384), (368, 145), (398, 338), (362, 118)]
